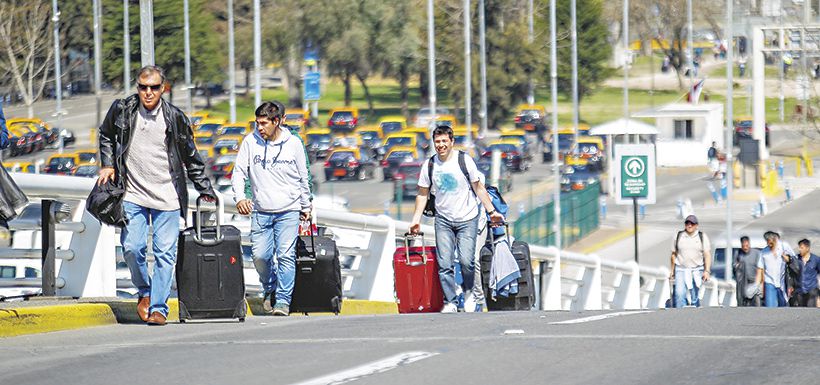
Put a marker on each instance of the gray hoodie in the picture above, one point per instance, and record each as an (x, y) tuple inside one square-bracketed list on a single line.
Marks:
[(279, 178)]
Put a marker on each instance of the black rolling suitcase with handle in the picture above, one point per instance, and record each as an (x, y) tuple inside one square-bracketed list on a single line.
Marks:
[(209, 272), (318, 284), (525, 299)]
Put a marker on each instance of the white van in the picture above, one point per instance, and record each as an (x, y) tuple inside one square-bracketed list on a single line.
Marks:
[(19, 269)]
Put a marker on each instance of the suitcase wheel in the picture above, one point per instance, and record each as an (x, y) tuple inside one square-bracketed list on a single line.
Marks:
[(241, 319)]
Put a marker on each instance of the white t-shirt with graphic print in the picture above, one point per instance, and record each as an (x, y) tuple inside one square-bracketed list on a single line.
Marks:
[(455, 200)]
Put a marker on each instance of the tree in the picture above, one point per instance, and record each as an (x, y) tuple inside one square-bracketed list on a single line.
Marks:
[(26, 47), (403, 44)]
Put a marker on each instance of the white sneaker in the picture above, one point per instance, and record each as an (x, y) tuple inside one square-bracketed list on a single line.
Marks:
[(449, 308)]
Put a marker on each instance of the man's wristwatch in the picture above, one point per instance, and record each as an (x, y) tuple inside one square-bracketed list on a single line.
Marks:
[(491, 212)]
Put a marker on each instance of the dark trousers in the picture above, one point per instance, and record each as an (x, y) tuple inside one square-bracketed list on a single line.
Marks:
[(807, 299)]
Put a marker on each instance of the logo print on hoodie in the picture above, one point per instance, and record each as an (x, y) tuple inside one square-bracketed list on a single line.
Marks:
[(257, 160)]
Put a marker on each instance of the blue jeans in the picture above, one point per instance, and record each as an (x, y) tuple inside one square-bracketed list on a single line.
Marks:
[(680, 288), (275, 234), (773, 296), (134, 240), (455, 240)]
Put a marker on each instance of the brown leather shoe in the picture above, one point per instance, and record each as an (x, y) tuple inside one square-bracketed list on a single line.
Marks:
[(142, 308), (156, 319)]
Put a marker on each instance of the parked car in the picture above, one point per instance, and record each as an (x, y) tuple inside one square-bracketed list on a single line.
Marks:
[(349, 163), (565, 141), (591, 150), (531, 118), (222, 166), (37, 125), (399, 139), (211, 125), (425, 115), (392, 124), (505, 178), (34, 141), (398, 156), (204, 138), (579, 177), (61, 164), (370, 137), (196, 118), (87, 155), (234, 129), (25, 167), (446, 120), (407, 178), (422, 134), (87, 170), (297, 118), (511, 154), (743, 130), (318, 142), (19, 144), (343, 120), (520, 137), (228, 144)]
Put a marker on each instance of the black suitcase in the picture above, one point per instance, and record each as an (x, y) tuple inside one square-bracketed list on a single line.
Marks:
[(318, 285), (209, 272), (525, 299)]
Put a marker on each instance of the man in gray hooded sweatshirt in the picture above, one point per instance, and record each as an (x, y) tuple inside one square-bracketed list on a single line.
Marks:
[(274, 161)]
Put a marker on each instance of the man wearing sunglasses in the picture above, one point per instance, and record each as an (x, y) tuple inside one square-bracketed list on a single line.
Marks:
[(147, 147), (691, 263)]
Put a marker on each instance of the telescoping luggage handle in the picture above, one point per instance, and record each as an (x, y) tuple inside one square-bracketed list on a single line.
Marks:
[(312, 236), (198, 238), (407, 237), (506, 233)]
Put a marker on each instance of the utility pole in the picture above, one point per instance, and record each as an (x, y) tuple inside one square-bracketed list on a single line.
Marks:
[(146, 32), (126, 49), (574, 36), (98, 58), (551, 300), (431, 61), (530, 39), (257, 53), (689, 47), (188, 91), (483, 64), (231, 64), (468, 86), (729, 135), (626, 70), (58, 74)]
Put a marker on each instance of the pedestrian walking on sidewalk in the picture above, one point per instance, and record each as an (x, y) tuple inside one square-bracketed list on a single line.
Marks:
[(691, 263), (274, 161), (745, 269), (147, 147), (452, 181), (807, 267), (771, 270)]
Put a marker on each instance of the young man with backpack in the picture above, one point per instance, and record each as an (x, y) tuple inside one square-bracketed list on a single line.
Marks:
[(451, 182), (691, 263)]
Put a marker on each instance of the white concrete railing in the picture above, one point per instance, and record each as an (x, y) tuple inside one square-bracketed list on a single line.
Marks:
[(583, 282)]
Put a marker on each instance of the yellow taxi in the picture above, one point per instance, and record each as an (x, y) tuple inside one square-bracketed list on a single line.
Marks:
[(26, 167), (531, 117), (234, 129), (349, 162), (446, 120), (297, 118), (343, 120), (422, 135), (392, 123), (87, 155), (197, 117), (228, 144), (206, 151), (409, 150), (318, 142), (462, 130), (370, 136), (400, 139), (61, 164), (211, 125), (203, 138), (346, 141), (591, 148)]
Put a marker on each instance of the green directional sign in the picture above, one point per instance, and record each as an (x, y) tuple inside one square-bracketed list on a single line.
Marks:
[(634, 176)]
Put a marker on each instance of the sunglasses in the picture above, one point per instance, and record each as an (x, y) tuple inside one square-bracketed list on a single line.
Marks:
[(690, 223), (145, 87)]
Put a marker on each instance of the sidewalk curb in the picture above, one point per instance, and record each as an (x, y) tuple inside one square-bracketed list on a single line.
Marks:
[(43, 319), (623, 234)]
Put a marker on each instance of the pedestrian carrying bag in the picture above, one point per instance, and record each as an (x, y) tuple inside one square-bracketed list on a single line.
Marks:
[(430, 207), (105, 203), (416, 278)]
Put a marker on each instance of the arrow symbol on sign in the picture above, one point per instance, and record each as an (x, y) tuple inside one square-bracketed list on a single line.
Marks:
[(635, 167)]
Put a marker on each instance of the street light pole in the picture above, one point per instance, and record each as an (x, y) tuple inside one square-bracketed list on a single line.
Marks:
[(231, 64), (626, 69), (552, 298), (468, 86), (187, 34), (98, 58), (431, 61), (257, 53), (729, 135), (530, 38), (126, 49), (574, 36), (146, 32), (483, 64), (690, 48), (58, 82)]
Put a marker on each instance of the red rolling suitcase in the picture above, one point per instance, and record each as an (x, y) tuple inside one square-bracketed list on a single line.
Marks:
[(418, 288)]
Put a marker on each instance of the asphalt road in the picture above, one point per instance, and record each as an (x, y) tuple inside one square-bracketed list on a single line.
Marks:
[(703, 346)]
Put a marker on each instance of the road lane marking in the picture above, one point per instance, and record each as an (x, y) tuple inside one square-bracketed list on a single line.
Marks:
[(369, 369), (599, 317)]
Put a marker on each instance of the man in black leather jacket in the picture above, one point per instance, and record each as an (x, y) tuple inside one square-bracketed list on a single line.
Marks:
[(147, 146)]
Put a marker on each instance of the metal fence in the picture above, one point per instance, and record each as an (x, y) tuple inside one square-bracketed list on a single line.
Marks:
[(579, 217)]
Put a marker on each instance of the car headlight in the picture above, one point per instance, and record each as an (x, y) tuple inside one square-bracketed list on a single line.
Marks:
[(564, 180)]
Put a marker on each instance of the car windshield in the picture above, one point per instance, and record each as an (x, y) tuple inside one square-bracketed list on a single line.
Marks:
[(345, 142), (297, 117), (23, 128), (319, 138), (210, 127), (389, 127), (744, 123), (204, 140), (531, 113), (61, 161), (448, 123), (439, 110), (340, 116), (503, 147), (402, 141), (226, 143), (369, 135), (565, 141), (342, 156), (195, 120), (405, 156), (234, 130), (87, 170), (88, 157)]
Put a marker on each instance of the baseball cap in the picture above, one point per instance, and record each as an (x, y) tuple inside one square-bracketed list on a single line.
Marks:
[(692, 219)]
